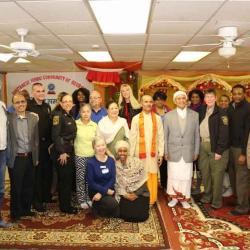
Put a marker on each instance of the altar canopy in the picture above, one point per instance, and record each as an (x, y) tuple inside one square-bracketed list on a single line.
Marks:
[(107, 73)]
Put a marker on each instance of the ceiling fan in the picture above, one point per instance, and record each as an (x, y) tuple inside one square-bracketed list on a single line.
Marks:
[(227, 45), (22, 50)]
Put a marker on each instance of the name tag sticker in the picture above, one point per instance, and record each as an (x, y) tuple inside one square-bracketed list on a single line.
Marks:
[(105, 171)]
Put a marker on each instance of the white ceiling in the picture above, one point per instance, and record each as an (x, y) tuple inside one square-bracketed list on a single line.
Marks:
[(63, 27)]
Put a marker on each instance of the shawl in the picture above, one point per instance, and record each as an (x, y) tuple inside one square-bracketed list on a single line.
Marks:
[(129, 177), (142, 143), (108, 130)]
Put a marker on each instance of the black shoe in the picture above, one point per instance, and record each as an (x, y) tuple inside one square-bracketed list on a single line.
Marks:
[(71, 210), (236, 213), (52, 200), (215, 208), (15, 219), (204, 201), (40, 207), (28, 213)]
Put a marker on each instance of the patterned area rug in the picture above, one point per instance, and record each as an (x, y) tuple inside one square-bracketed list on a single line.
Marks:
[(203, 228), (56, 230)]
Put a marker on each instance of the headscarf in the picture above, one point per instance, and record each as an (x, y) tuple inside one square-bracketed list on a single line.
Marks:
[(131, 175), (121, 144), (178, 93)]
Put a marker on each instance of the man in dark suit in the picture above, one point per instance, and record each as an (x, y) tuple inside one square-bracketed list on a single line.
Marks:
[(23, 142), (239, 116), (43, 172)]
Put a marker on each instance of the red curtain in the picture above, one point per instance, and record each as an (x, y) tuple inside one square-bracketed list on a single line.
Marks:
[(96, 76)]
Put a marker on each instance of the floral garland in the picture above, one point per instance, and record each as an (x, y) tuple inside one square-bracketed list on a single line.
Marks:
[(210, 81)]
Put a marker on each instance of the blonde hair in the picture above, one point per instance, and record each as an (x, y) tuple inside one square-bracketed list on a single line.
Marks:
[(134, 103), (97, 139), (85, 105)]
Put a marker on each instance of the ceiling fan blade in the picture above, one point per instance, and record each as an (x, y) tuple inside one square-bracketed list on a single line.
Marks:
[(52, 58), (7, 48), (5, 57), (199, 45), (22, 60)]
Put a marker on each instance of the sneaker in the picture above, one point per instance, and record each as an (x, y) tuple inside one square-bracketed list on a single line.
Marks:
[(84, 205), (185, 204), (173, 203), (89, 203), (4, 224), (228, 192)]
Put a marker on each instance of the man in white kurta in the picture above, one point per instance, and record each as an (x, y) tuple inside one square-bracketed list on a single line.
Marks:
[(182, 140), (151, 160)]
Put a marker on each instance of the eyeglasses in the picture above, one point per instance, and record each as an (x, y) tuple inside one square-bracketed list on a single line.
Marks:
[(65, 102), (19, 102)]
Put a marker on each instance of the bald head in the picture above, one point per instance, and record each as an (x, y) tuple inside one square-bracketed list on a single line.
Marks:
[(147, 103)]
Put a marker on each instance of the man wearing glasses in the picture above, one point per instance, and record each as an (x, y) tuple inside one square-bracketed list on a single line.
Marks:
[(98, 112), (23, 143)]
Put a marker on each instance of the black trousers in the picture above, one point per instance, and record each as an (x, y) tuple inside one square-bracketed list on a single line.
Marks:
[(65, 177), (43, 175), (164, 173), (107, 206), (22, 185), (134, 211)]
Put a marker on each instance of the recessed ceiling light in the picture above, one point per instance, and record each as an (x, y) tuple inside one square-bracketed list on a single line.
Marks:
[(5, 57), (122, 16), (95, 46), (22, 60), (96, 56), (190, 56)]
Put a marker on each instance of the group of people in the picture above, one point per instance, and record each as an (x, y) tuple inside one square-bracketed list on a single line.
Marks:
[(111, 156)]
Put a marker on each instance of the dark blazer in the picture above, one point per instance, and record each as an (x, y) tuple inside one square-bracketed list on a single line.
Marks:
[(179, 145), (218, 124), (239, 119), (12, 137)]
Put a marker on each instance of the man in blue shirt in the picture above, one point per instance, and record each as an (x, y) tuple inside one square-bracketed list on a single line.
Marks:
[(98, 112)]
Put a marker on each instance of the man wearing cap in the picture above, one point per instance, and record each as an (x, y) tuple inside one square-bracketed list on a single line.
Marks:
[(182, 141), (213, 157), (147, 142)]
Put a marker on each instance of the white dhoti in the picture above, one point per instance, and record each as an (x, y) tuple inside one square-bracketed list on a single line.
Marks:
[(179, 179)]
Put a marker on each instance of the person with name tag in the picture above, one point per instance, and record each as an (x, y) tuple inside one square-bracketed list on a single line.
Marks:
[(101, 177)]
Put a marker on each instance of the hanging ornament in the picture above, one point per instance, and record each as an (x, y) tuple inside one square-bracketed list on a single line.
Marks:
[(131, 76)]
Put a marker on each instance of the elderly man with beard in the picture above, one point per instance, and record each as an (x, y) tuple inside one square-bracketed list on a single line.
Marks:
[(182, 141)]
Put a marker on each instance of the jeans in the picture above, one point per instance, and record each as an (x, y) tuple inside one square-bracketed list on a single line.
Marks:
[(3, 154)]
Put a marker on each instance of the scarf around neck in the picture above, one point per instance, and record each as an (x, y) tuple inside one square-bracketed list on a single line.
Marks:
[(142, 143)]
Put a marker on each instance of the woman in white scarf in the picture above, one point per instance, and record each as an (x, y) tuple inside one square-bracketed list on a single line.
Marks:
[(131, 188), (112, 127)]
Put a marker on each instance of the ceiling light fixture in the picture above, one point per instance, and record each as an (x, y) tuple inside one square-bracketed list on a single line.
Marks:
[(122, 16), (190, 56), (227, 50), (96, 56)]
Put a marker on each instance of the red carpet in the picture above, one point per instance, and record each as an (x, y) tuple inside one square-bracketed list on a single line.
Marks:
[(203, 228)]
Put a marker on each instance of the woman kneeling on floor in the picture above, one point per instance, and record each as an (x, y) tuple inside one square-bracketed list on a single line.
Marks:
[(131, 187), (101, 176)]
